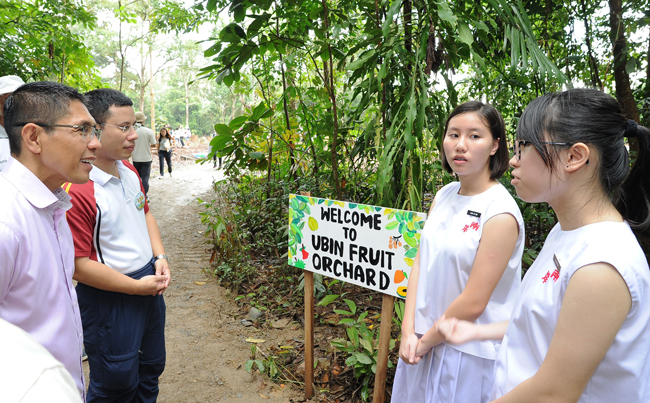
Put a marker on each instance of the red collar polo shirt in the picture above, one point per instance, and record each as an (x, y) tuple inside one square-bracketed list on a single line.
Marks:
[(109, 223)]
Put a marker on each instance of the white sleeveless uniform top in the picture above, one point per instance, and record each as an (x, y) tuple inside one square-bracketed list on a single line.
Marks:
[(448, 246), (624, 373)]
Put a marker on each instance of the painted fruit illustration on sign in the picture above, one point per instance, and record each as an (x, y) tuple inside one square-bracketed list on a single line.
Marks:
[(400, 276), (408, 226)]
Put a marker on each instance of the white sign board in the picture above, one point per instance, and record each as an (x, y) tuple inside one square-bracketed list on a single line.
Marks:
[(369, 246)]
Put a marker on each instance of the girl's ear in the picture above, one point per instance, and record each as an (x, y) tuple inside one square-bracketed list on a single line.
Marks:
[(577, 157), (495, 145)]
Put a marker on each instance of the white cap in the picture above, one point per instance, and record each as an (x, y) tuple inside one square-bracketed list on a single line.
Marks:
[(9, 84)]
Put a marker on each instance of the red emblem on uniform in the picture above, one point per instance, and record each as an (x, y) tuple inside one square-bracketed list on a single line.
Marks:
[(474, 226), (545, 278), (465, 228), (556, 275)]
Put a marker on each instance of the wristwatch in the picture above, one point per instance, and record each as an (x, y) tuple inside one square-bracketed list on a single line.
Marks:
[(161, 257)]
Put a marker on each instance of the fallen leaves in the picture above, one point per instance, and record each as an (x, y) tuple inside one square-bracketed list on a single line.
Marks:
[(282, 323)]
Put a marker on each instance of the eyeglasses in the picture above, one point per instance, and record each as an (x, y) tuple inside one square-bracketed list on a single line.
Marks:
[(516, 147), (87, 132), (123, 128)]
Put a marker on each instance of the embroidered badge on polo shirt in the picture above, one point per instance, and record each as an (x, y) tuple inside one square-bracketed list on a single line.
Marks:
[(139, 200)]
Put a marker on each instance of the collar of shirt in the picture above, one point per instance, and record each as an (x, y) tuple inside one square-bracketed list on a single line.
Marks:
[(35, 191), (3, 133), (101, 178)]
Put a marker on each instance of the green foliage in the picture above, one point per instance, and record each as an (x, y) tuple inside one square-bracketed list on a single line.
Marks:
[(254, 361), (231, 252), (360, 347), (41, 42)]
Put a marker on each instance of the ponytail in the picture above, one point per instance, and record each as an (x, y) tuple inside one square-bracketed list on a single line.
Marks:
[(634, 195)]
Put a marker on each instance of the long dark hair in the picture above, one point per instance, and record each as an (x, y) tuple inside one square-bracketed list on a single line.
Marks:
[(160, 136), (595, 118)]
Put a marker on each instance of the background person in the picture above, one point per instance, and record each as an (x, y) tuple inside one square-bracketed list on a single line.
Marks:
[(53, 139), (468, 265), (179, 136), (165, 145), (120, 282), (580, 330), (8, 84), (142, 151), (187, 133), (214, 156)]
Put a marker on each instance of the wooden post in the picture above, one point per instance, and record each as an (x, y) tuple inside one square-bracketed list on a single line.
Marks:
[(384, 342), (309, 334)]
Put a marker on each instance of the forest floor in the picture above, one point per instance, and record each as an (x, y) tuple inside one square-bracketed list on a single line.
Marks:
[(205, 338)]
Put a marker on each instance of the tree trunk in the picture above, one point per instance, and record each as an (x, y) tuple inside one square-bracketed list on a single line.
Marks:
[(143, 71), (153, 101), (292, 158), (617, 36), (593, 64), (119, 4), (329, 76), (187, 101), (63, 68)]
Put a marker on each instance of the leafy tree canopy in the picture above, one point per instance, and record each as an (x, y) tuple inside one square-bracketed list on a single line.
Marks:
[(39, 43)]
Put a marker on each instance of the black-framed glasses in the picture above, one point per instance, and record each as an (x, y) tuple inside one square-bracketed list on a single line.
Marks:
[(87, 132), (516, 147), (123, 128)]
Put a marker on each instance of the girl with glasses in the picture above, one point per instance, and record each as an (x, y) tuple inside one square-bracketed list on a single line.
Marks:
[(468, 265), (580, 329)]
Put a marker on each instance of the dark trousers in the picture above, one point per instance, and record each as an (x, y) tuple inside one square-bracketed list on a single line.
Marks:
[(162, 157), (214, 159), (144, 170), (124, 336)]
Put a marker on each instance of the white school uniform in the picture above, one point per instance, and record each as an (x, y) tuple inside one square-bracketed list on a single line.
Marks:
[(448, 247), (623, 374)]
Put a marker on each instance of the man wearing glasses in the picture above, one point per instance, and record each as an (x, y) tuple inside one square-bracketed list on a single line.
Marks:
[(53, 139), (120, 263)]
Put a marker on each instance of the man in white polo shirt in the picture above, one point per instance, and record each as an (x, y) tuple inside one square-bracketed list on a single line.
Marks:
[(120, 264), (8, 84)]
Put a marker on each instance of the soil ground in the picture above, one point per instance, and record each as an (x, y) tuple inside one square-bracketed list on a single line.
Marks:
[(206, 342)]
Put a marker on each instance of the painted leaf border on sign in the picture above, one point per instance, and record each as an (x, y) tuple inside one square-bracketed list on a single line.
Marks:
[(407, 223)]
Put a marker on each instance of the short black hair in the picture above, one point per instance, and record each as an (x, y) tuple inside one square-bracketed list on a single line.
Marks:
[(494, 121), (99, 101), (44, 102)]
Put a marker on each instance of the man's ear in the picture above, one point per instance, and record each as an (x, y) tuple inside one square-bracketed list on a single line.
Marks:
[(32, 137), (577, 156)]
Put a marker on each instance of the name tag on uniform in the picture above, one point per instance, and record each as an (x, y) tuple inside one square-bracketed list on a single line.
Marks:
[(557, 262), (139, 200), (473, 213)]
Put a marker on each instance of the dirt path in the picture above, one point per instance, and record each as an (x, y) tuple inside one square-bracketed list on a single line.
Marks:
[(206, 347)]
